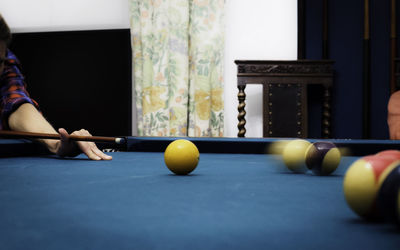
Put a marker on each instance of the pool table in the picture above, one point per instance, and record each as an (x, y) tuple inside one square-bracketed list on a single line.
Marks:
[(237, 198)]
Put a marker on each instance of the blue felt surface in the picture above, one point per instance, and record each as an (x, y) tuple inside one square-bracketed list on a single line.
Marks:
[(231, 201)]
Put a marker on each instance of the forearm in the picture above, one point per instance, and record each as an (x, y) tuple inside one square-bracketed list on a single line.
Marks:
[(28, 119)]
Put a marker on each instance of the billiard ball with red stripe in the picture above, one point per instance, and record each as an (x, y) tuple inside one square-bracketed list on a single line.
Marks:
[(362, 182), (389, 196)]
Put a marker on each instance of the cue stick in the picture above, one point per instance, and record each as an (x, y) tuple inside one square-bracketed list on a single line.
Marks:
[(393, 49), (366, 73), (30, 135), (325, 48)]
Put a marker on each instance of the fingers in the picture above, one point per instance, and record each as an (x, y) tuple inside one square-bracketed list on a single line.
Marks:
[(71, 148), (89, 148), (100, 154)]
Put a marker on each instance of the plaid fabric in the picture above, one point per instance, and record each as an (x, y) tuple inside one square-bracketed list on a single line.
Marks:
[(12, 89)]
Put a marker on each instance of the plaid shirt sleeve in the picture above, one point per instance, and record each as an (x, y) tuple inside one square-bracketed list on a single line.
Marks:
[(12, 89)]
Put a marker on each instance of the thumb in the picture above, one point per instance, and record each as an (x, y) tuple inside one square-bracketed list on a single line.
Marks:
[(63, 134)]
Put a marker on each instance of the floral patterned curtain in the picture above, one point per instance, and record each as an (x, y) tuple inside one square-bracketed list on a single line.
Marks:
[(177, 48)]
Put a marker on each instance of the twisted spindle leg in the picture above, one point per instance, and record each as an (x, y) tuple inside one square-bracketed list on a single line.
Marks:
[(242, 112)]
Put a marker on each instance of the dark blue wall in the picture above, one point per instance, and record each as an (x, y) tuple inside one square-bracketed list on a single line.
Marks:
[(346, 28)]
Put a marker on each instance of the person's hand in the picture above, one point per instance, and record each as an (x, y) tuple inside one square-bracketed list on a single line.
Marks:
[(67, 147), (393, 118)]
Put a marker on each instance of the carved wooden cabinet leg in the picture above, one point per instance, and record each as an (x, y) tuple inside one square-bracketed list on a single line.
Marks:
[(326, 113), (242, 112)]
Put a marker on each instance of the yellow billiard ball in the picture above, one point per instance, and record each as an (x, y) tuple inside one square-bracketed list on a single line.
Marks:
[(277, 147), (294, 155), (181, 156)]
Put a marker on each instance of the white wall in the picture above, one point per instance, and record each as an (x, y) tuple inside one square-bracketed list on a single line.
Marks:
[(61, 15), (255, 29), (259, 30)]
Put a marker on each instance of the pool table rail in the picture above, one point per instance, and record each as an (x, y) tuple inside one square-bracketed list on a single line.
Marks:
[(21, 147)]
